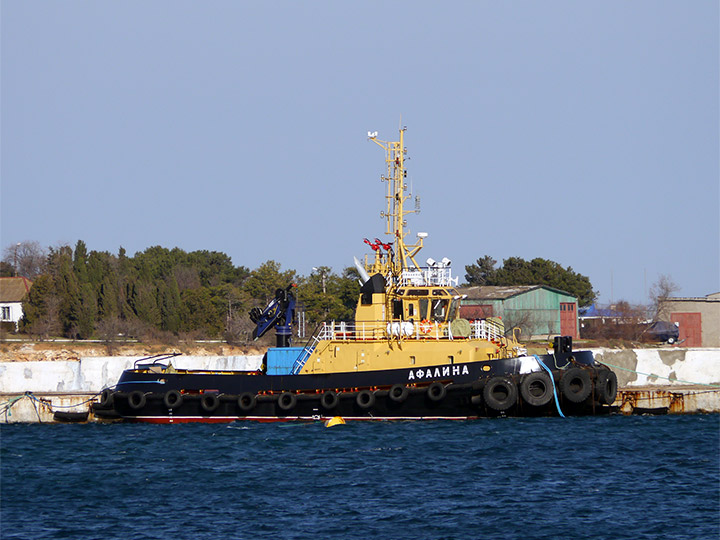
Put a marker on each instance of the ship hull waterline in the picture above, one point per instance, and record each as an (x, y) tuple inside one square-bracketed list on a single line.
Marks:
[(506, 387)]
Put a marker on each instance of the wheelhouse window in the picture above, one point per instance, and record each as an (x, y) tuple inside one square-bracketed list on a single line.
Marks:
[(454, 306), (423, 308), (439, 309)]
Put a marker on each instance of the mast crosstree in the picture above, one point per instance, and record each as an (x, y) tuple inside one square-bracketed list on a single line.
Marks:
[(396, 197)]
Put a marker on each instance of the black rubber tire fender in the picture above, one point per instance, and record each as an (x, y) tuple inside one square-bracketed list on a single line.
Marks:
[(436, 391), (209, 402), (536, 388), (287, 401), (106, 398), (172, 399), (247, 401), (365, 399), (137, 400), (576, 384), (398, 393), (500, 393), (606, 386), (329, 399)]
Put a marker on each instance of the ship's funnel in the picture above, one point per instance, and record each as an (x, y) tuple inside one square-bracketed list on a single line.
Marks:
[(364, 276)]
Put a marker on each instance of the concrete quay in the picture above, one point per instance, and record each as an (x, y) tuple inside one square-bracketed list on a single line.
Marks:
[(651, 381)]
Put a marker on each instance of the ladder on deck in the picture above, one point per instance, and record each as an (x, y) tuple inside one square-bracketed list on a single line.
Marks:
[(307, 351)]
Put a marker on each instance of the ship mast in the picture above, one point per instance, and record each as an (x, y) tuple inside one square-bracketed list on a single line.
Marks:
[(396, 197)]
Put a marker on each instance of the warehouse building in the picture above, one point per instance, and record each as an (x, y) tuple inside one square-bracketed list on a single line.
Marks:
[(538, 310), (697, 318)]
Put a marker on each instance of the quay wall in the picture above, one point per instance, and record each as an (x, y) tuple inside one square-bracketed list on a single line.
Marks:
[(670, 366), (681, 380), (93, 374)]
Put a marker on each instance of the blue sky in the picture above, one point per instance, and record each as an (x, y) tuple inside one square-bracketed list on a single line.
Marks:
[(582, 132)]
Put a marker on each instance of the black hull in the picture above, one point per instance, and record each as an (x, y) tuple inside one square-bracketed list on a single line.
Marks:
[(459, 391)]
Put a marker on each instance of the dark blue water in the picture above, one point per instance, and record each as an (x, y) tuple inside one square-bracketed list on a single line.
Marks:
[(600, 478)]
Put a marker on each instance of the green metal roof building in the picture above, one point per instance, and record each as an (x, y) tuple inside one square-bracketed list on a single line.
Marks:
[(538, 310)]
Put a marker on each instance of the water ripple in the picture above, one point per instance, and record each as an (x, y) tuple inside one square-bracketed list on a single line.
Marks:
[(601, 478)]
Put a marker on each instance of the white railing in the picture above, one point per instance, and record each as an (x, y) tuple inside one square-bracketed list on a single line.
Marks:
[(422, 330), (441, 277), (486, 330)]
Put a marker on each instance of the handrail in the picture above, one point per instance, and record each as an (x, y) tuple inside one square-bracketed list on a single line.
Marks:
[(418, 330), (155, 359), (307, 350)]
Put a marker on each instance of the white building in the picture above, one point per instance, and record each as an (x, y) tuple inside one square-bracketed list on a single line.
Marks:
[(12, 291)]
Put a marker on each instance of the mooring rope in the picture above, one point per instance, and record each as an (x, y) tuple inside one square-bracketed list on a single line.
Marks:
[(34, 398), (7, 405), (552, 380), (656, 375)]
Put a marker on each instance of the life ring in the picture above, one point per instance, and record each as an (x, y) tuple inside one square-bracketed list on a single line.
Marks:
[(172, 399), (398, 393), (500, 393), (576, 385), (287, 401), (209, 402), (365, 399), (247, 401), (436, 391), (106, 398), (536, 389), (329, 399), (425, 326), (137, 399), (606, 386)]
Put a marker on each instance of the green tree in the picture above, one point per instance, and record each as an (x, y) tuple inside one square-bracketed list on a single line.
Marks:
[(67, 289), (169, 304), (326, 296), (262, 282), (199, 313), (40, 308), (482, 272), (517, 271)]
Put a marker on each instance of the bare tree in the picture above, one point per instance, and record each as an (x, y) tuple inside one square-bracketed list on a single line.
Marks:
[(27, 258), (523, 319), (662, 289)]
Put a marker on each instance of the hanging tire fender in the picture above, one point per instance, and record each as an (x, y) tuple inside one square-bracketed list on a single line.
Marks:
[(606, 386), (500, 393), (172, 399), (536, 388), (329, 399), (247, 401), (576, 384), (137, 400), (209, 402), (398, 393), (365, 399), (287, 401), (436, 391), (106, 398)]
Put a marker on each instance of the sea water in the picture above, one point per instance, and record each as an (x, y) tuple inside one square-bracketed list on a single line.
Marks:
[(610, 477)]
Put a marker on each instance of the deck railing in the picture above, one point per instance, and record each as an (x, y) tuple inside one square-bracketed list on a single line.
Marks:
[(419, 330), (441, 277)]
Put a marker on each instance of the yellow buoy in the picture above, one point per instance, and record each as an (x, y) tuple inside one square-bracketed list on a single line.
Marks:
[(334, 421)]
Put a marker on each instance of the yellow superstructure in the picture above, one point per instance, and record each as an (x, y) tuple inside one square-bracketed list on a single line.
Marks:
[(407, 315)]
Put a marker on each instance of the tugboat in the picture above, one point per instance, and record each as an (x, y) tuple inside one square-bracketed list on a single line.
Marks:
[(407, 354)]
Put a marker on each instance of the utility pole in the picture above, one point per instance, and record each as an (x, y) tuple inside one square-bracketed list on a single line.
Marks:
[(16, 250)]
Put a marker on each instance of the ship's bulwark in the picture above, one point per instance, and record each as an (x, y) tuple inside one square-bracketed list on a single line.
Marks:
[(504, 387)]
